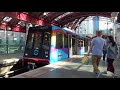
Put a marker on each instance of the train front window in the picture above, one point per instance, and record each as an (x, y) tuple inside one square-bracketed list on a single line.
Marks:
[(37, 40), (34, 40), (30, 40)]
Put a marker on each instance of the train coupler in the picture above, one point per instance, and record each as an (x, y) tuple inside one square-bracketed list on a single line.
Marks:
[(31, 66)]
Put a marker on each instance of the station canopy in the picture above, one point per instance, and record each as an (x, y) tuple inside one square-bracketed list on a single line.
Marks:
[(61, 19)]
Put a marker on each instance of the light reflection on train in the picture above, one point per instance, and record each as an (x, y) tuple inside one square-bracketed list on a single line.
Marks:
[(50, 44)]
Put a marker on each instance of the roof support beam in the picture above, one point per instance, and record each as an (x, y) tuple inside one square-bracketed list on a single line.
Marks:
[(24, 17)]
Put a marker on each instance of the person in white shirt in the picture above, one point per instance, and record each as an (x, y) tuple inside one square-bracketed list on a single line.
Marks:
[(111, 54)]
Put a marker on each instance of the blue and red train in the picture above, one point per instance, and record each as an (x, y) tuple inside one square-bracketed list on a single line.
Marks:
[(50, 44)]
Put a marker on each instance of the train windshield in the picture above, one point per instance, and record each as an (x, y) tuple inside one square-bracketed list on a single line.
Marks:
[(37, 40)]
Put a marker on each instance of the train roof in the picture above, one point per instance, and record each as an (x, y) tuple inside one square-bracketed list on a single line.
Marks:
[(67, 31)]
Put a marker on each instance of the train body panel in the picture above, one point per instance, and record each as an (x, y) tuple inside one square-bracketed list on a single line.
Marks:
[(57, 53)]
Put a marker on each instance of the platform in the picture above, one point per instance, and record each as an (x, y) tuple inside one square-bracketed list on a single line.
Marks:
[(71, 68), (7, 62)]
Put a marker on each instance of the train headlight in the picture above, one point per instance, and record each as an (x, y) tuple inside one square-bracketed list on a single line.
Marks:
[(46, 56), (26, 54)]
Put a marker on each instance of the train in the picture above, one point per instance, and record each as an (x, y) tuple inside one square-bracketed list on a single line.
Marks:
[(49, 44)]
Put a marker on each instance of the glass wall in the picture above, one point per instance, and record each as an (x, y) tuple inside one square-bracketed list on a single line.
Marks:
[(11, 42)]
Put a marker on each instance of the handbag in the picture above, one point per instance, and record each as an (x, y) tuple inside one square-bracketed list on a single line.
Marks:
[(84, 60)]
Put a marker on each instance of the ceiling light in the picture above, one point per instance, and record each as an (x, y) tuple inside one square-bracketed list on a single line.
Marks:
[(46, 13)]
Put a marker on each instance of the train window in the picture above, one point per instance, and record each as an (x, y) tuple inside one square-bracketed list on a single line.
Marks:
[(59, 42), (86, 42), (78, 43), (37, 40), (81, 43), (30, 40), (69, 41), (73, 41), (66, 41)]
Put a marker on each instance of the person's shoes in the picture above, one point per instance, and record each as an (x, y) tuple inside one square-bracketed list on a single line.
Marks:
[(105, 72), (114, 76), (94, 72), (98, 74)]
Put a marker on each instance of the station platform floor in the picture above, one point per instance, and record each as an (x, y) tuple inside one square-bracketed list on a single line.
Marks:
[(70, 68)]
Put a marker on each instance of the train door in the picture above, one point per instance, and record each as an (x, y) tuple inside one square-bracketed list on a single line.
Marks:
[(82, 47), (86, 45), (66, 49), (74, 45), (69, 46), (59, 46), (78, 46)]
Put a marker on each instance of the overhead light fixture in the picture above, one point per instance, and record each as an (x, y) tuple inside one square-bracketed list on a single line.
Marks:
[(46, 13), (37, 25), (8, 28)]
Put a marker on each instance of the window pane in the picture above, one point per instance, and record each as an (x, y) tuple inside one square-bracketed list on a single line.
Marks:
[(73, 41), (37, 40), (30, 40), (10, 38), (81, 42), (15, 42), (59, 43), (2, 37), (10, 42), (13, 48), (16, 38), (2, 42), (66, 41), (22, 42), (2, 49)]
